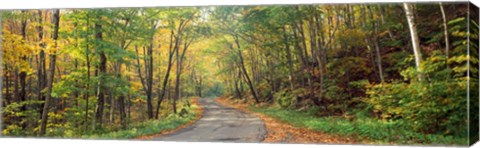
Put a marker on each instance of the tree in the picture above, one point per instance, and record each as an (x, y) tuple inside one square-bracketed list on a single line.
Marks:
[(244, 70), (22, 95), (413, 35), (445, 30), (41, 74), (51, 74), (102, 72), (171, 52), (374, 37), (148, 83), (185, 37)]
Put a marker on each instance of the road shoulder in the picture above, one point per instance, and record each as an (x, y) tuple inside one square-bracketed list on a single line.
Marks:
[(198, 116)]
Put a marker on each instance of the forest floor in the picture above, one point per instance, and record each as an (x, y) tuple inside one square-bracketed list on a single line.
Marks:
[(281, 132)]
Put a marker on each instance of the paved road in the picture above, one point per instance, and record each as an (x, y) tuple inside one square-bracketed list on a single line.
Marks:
[(220, 124)]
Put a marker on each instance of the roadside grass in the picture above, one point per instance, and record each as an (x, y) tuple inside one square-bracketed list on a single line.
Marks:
[(377, 131), (150, 127)]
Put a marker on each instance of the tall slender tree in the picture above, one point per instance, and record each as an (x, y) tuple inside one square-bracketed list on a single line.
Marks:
[(51, 73), (413, 34), (445, 30), (102, 71)]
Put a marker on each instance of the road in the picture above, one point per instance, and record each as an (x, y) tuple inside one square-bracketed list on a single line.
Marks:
[(220, 124)]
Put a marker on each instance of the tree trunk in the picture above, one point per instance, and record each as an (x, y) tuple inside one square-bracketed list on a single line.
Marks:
[(112, 107), (177, 79), (236, 78), (313, 46), (15, 86), (376, 46), (56, 20), (300, 54), (200, 87), (7, 76), (140, 75), (445, 31), (414, 35), (150, 73), (121, 97), (289, 57), (102, 71), (121, 106), (169, 92), (308, 66), (382, 18), (148, 61), (76, 93), (87, 87), (379, 60), (186, 44), (149, 83), (320, 45), (41, 70), (242, 65), (171, 52), (177, 86), (23, 74), (178, 40), (128, 102)]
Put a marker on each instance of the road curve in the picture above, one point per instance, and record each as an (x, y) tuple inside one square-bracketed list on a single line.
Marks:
[(220, 124)]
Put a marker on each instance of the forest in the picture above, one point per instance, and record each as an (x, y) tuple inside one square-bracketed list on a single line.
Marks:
[(396, 72)]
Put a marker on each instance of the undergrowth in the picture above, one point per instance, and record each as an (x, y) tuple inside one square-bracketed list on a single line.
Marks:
[(149, 127), (360, 127)]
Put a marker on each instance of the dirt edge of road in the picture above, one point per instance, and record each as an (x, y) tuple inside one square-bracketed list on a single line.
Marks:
[(165, 132), (281, 132)]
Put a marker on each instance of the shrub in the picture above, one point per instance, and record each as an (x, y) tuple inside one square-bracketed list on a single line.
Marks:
[(435, 103), (284, 98)]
